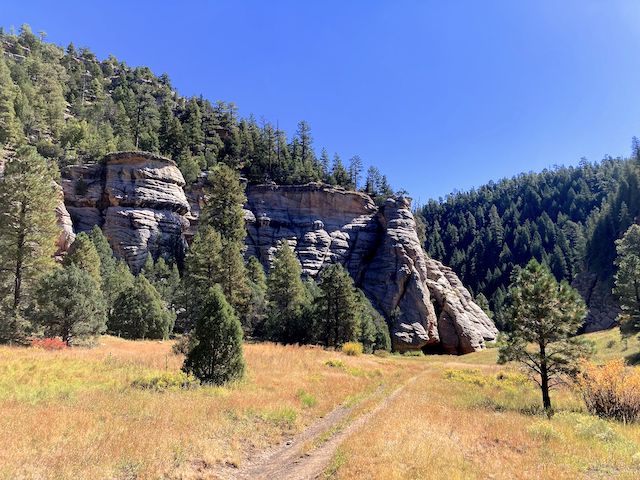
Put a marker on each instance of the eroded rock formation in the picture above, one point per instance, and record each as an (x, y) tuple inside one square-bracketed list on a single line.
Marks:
[(425, 302), (139, 201)]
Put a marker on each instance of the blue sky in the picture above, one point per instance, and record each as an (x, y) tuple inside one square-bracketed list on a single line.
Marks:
[(440, 95)]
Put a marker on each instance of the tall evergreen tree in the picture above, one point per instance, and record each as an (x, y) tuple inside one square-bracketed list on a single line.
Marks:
[(70, 305), (223, 208), (627, 280), (203, 263), (140, 312), (216, 354), (9, 125), (544, 317), (84, 255), (28, 230), (338, 306), (285, 298), (355, 169)]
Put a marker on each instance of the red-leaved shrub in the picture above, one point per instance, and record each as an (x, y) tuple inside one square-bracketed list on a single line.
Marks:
[(48, 343)]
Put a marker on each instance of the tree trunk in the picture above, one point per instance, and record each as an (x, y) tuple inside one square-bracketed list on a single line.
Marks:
[(544, 380), (17, 288)]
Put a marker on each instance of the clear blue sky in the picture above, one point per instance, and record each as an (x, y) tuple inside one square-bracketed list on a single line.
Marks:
[(440, 95)]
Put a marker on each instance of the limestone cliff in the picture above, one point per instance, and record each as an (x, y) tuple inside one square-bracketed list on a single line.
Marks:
[(139, 201)]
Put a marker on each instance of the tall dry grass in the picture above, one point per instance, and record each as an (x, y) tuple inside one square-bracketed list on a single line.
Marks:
[(77, 414), (464, 421)]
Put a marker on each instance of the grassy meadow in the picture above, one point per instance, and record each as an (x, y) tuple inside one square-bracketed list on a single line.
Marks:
[(115, 411), (79, 413)]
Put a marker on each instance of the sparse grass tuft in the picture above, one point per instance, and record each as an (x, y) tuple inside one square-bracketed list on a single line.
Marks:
[(306, 399), (164, 381)]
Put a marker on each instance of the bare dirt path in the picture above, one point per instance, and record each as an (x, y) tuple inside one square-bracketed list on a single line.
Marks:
[(290, 461)]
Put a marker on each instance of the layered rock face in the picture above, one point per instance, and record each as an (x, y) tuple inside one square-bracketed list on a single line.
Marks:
[(425, 302), (138, 200)]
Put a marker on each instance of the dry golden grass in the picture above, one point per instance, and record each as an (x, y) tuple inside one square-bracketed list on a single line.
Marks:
[(466, 420), (74, 413)]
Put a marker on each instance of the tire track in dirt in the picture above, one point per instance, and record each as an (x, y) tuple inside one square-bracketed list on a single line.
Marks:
[(290, 462)]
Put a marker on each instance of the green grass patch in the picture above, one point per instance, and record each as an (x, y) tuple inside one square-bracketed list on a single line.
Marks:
[(283, 416), (160, 382), (306, 399)]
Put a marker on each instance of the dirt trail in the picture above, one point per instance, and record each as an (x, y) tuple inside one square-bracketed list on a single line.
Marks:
[(290, 462)]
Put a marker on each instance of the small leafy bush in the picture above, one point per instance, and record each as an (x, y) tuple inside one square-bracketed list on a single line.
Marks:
[(352, 348), (49, 343), (611, 390), (161, 382)]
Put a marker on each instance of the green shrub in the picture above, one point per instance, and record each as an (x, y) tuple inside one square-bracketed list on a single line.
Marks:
[(335, 363), (161, 382), (352, 348)]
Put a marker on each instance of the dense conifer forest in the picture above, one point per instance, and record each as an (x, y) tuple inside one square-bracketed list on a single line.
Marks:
[(74, 108), (565, 217)]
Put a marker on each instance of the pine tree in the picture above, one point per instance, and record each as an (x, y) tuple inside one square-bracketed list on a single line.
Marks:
[(70, 305), (164, 277), (84, 255), (627, 280), (28, 230), (545, 314), (257, 304), (203, 263), (339, 174), (9, 125), (373, 331), (140, 312), (338, 306), (355, 169), (224, 201), (216, 353), (233, 277), (285, 298)]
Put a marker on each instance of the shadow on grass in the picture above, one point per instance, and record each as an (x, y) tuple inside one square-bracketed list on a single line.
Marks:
[(633, 359)]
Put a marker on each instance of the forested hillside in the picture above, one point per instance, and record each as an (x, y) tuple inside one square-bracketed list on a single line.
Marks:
[(75, 108), (553, 216)]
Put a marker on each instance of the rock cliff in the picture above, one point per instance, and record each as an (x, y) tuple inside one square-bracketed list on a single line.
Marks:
[(139, 201), (425, 302)]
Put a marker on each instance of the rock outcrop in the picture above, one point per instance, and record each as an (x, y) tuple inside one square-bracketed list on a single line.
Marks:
[(139, 201), (603, 307), (425, 302)]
